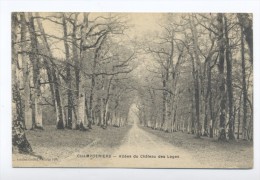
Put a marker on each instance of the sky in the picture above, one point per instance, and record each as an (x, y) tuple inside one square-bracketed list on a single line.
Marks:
[(141, 24), (144, 22)]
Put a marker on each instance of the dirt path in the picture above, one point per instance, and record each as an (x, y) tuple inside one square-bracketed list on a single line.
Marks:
[(152, 152), (138, 149)]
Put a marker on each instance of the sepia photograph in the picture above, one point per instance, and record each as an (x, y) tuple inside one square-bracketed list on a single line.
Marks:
[(132, 90)]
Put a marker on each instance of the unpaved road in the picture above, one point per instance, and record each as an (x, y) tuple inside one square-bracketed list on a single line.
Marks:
[(153, 152), (139, 149)]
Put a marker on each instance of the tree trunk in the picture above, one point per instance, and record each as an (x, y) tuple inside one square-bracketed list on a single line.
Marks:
[(231, 135), (197, 106), (196, 74), (239, 115), (192, 115), (100, 123), (16, 110), (196, 98), (26, 81), (77, 67), (106, 104), (81, 98), (59, 111), (81, 105), (163, 104), (244, 89), (210, 102), (15, 87), (221, 45), (206, 132), (68, 74), (105, 113), (91, 117), (36, 73)]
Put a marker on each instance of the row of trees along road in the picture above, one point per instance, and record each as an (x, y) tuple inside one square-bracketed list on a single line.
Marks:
[(200, 80), (76, 65), (79, 66)]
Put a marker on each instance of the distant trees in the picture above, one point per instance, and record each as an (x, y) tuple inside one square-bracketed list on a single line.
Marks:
[(202, 67), (75, 63)]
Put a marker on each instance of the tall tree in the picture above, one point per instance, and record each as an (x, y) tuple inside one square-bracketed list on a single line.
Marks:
[(221, 45), (81, 99), (68, 73), (36, 73), (229, 82), (244, 88), (197, 70), (26, 82)]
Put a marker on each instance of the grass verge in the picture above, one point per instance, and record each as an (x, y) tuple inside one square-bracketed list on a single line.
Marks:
[(53, 143), (235, 154)]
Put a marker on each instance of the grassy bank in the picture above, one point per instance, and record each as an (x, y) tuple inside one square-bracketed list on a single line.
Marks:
[(210, 151), (61, 143)]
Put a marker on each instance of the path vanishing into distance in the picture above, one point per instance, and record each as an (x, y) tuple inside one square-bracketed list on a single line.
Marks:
[(153, 151), (138, 149)]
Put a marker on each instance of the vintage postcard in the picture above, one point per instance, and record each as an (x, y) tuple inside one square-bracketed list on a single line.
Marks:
[(132, 90)]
